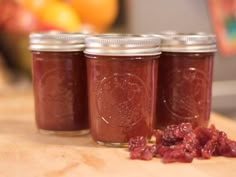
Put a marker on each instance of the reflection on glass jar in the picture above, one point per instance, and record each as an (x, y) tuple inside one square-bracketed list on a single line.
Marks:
[(185, 80), (121, 87), (60, 85)]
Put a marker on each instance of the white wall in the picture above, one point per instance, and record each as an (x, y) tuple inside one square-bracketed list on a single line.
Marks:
[(159, 15), (147, 16)]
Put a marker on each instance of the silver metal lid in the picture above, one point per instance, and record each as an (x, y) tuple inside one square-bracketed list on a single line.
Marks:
[(181, 42), (122, 45), (57, 41)]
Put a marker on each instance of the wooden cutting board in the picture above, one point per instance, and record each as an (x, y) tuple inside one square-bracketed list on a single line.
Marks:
[(26, 153)]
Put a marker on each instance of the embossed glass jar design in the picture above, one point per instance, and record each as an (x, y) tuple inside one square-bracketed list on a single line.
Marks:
[(185, 79), (122, 81), (60, 83)]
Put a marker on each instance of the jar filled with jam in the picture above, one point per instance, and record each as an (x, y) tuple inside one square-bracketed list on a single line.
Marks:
[(185, 79), (122, 86), (60, 83)]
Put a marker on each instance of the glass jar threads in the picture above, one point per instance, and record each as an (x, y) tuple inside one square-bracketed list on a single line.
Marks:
[(185, 79), (122, 86), (60, 83)]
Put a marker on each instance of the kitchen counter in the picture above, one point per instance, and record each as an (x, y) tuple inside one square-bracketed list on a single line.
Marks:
[(26, 153)]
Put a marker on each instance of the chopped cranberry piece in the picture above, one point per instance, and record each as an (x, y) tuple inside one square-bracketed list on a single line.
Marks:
[(138, 141), (153, 149), (177, 154), (147, 154), (222, 144), (162, 150), (158, 135), (137, 152), (212, 128), (203, 135), (169, 136), (182, 130), (230, 149), (143, 153), (191, 144), (209, 149)]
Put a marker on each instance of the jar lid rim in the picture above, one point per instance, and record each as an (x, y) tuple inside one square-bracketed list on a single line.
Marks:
[(56, 41), (123, 44), (188, 42)]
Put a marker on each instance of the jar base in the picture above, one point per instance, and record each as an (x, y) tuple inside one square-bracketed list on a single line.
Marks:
[(64, 133), (120, 145)]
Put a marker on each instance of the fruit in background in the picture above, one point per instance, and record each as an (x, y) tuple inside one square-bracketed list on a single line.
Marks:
[(36, 6), (21, 21), (60, 15), (100, 14), (15, 18), (6, 9), (17, 21), (53, 14)]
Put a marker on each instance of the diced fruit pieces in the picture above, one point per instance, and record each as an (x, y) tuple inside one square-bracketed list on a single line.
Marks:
[(180, 143)]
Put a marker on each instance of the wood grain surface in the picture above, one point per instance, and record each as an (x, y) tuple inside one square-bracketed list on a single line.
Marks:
[(26, 153)]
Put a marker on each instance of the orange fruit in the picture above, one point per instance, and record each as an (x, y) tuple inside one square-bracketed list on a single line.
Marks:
[(36, 6), (60, 15), (98, 13)]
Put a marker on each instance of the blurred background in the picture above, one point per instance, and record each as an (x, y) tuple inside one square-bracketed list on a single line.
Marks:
[(20, 17)]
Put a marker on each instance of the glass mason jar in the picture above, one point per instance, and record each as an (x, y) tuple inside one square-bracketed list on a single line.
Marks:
[(185, 79), (122, 86), (60, 83)]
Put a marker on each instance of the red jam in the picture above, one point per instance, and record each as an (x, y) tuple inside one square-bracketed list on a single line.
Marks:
[(185, 82), (122, 96), (184, 87), (60, 91)]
